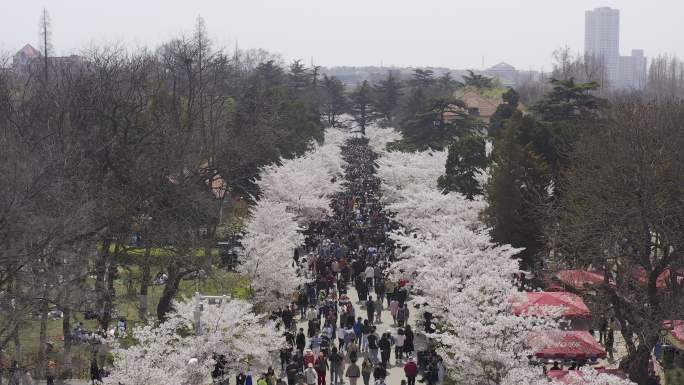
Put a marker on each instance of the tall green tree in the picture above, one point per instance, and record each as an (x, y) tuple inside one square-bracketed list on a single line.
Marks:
[(436, 125), (446, 84), (422, 79), (387, 95), (362, 106), (467, 157), (503, 112), (481, 82), (519, 182), (562, 114), (335, 101)]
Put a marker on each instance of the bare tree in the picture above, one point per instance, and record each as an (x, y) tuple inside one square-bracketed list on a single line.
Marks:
[(621, 213)]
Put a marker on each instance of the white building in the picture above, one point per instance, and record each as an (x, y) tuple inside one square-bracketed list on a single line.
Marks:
[(602, 39), (633, 70), (506, 73)]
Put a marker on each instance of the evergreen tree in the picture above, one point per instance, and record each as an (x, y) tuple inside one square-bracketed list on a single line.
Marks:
[(298, 78), (387, 94), (467, 157), (480, 82), (438, 122), (446, 85), (334, 101), (503, 112), (422, 79), (562, 113), (362, 106), (519, 182)]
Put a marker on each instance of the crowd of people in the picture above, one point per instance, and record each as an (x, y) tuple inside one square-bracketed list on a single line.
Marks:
[(339, 337)]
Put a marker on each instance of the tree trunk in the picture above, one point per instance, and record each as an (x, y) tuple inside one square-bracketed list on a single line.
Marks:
[(636, 365), (43, 332), (144, 284), (108, 291), (100, 276), (17, 344), (170, 290), (66, 330)]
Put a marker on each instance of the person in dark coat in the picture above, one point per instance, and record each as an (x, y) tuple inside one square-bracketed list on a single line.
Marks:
[(300, 340), (95, 375), (370, 309), (408, 342), (385, 346), (379, 372)]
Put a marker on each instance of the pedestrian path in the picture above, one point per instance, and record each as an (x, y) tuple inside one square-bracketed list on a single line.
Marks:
[(395, 370)]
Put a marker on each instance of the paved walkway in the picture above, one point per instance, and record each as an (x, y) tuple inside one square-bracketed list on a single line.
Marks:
[(395, 369)]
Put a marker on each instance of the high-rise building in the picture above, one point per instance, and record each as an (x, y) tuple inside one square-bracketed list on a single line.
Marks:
[(633, 71), (602, 39)]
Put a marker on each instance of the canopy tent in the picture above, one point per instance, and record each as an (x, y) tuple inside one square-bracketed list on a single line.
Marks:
[(664, 279), (579, 279), (676, 333), (567, 345), (574, 377), (533, 303)]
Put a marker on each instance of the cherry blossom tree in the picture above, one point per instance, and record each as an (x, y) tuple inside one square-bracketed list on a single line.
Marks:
[(460, 275), (271, 235), (294, 192), (306, 183), (171, 353)]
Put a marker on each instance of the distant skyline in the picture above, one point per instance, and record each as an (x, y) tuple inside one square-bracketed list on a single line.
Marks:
[(439, 33)]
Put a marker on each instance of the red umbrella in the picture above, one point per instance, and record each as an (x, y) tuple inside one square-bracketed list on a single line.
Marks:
[(532, 303), (568, 345)]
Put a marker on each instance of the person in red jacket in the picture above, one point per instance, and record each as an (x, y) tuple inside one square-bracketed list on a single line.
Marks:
[(411, 371)]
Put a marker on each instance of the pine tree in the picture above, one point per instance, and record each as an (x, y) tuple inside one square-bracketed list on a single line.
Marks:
[(388, 93), (362, 106), (467, 158), (519, 181), (503, 112), (335, 101)]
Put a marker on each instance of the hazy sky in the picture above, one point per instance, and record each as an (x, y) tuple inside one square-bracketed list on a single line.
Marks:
[(448, 33)]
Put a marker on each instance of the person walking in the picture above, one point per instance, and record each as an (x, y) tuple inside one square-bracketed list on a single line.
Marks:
[(300, 340), (365, 332), (379, 373), (411, 371), (353, 373), (95, 375), (399, 340), (370, 309), (373, 340), (291, 372), (603, 326), (409, 347), (441, 371), (321, 368), (366, 370), (335, 359), (402, 315), (394, 308), (378, 310), (310, 375), (610, 340), (51, 372), (385, 345)]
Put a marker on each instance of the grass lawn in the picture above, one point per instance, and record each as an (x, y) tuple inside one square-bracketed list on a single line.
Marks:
[(218, 282)]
